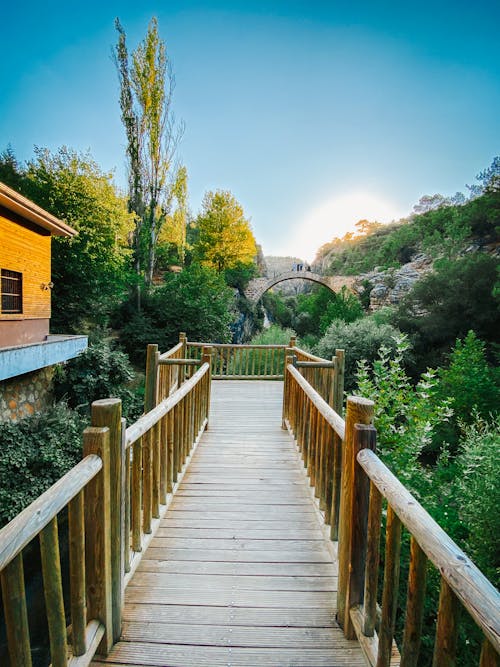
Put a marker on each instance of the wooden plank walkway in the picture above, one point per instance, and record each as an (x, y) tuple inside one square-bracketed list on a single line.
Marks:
[(240, 571)]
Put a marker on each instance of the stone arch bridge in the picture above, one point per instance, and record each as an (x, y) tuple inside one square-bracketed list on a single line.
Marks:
[(258, 286)]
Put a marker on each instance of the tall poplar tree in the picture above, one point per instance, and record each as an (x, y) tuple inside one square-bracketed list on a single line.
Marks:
[(146, 91)]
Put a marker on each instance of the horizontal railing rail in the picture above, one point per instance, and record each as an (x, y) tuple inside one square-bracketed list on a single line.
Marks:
[(351, 482)]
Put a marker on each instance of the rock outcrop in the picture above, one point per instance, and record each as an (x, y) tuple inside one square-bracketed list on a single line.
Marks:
[(387, 288)]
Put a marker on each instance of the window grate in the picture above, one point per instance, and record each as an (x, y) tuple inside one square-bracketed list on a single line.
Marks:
[(12, 291)]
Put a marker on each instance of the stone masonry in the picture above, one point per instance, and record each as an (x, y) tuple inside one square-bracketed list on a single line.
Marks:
[(26, 394)]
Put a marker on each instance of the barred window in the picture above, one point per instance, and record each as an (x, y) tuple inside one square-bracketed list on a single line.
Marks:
[(12, 291)]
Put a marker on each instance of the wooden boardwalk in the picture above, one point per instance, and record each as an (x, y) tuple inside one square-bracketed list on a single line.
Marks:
[(240, 571)]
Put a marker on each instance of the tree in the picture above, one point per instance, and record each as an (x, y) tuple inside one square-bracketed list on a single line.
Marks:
[(431, 203), (90, 271), (443, 305), (155, 184), (196, 301), (489, 180), (225, 239)]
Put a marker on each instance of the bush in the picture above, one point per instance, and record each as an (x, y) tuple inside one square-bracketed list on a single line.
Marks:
[(470, 383), (99, 372), (479, 493), (274, 335), (361, 339), (35, 453), (406, 416)]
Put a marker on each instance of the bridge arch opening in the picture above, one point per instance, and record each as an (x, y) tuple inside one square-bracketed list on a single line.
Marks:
[(259, 286)]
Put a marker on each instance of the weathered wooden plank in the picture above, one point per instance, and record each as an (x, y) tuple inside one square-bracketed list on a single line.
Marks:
[(302, 546), (228, 582), (251, 569), (236, 556), (257, 617), (127, 653), (275, 533), (220, 635)]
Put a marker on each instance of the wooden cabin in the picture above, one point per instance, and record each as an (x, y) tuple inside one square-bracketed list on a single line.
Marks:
[(26, 347), (25, 236)]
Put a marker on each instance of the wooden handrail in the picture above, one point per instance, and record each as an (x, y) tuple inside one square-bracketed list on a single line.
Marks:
[(28, 524), (303, 355), (170, 353), (475, 592), (329, 414), (147, 421), (179, 362)]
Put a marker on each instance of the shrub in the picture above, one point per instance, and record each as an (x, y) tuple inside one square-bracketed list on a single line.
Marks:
[(405, 415), (470, 383), (273, 335), (35, 453), (479, 493), (361, 339), (99, 372)]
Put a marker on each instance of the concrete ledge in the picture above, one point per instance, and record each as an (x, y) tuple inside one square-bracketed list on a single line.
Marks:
[(55, 349)]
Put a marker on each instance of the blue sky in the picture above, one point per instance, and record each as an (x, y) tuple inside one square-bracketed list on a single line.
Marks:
[(313, 114)]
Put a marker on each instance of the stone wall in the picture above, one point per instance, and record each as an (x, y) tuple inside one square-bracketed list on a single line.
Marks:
[(26, 394)]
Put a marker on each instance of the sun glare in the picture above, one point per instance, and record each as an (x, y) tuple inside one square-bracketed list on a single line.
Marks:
[(337, 216)]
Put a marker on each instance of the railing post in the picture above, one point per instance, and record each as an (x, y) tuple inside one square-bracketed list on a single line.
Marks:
[(289, 359), (151, 388), (365, 437), (359, 411), (16, 612), (98, 537), (337, 404), (293, 341), (108, 412), (206, 357), (183, 340), (338, 400)]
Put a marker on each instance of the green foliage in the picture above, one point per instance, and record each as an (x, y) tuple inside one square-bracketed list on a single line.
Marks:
[(240, 275), (273, 335), (361, 339), (479, 493), (225, 239), (90, 271), (443, 228), (280, 310), (405, 415), (444, 305), (35, 453), (471, 383), (99, 372), (196, 301), (310, 314)]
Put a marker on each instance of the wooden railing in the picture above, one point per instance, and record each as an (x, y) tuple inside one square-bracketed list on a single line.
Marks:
[(115, 497), (243, 362), (325, 376), (351, 482), (84, 490)]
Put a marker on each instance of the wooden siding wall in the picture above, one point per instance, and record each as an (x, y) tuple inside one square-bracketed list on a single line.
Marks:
[(26, 248)]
